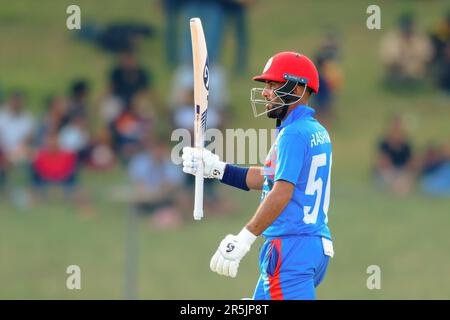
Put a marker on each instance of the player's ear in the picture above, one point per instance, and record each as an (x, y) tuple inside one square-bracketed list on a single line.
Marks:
[(308, 92), (299, 89)]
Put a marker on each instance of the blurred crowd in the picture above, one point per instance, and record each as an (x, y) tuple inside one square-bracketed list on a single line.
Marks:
[(130, 125), (50, 152), (399, 167), (411, 56)]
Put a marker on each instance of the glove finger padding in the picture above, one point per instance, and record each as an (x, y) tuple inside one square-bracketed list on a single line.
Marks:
[(199, 154), (187, 157), (190, 163), (189, 170), (187, 151), (219, 265), (226, 267), (214, 260), (233, 269)]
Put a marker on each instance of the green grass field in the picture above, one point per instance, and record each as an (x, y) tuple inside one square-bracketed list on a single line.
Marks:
[(407, 237)]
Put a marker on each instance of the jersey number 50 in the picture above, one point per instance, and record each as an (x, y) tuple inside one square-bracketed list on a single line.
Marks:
[(315, 186)]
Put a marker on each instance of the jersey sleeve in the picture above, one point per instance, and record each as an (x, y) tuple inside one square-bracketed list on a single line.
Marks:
[(291, 151)]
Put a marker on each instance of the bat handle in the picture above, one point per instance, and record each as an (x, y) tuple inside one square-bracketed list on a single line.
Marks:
[(198, 200)]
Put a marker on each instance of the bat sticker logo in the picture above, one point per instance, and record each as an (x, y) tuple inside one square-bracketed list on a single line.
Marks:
[(203, 118), (206, 75)]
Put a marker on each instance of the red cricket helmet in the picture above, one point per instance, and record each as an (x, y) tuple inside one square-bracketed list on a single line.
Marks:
[(293, 66)]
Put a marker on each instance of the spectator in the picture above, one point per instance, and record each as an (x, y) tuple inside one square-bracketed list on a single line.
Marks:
[(16, 129), (330, 80), (77, 105), (54, 166), (406, 54), (443, 76), (440, 38), (183, 115), (110, 108), (157, 184), (51, 121), (435, 171), (172, 10), (100, 155), (394, 167), (129, 78), (212, 14), (236, 15), (129, 129), (74, 137)]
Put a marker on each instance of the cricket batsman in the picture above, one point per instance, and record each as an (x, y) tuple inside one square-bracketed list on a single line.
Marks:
[(295, 183)]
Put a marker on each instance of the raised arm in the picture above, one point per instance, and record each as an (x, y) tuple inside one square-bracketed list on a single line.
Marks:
[(239, 177), (255, 178)]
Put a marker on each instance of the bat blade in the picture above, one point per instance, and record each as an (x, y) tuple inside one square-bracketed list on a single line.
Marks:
[(201, 91)]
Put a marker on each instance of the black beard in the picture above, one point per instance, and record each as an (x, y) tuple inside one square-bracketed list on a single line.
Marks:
[(274, 114)]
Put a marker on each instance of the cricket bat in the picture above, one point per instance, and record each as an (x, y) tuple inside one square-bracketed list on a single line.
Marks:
[(201, 90)]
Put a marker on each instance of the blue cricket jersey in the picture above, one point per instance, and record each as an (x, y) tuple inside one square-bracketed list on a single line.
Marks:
[(302, 155)]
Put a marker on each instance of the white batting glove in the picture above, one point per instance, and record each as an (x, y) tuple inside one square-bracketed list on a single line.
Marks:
[(212, 166), (231, 250)]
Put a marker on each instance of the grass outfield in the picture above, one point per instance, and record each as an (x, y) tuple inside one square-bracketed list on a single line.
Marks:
[(406, 237)]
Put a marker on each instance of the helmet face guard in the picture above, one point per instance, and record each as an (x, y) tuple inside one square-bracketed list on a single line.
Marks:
[(284, 96), (290, 69)]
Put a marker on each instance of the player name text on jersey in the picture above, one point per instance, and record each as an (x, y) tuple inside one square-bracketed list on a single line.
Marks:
[(319, 137)]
